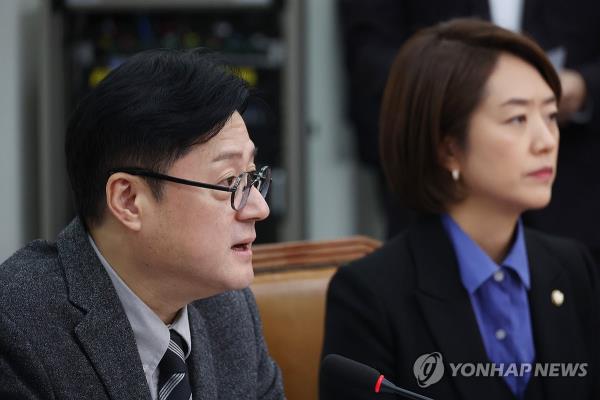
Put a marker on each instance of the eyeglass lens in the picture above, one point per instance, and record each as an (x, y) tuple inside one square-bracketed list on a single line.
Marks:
[(246, 181), (262, 181)]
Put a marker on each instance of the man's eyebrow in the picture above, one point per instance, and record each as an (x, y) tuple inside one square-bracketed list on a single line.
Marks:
[(516, 101), (228, 155)]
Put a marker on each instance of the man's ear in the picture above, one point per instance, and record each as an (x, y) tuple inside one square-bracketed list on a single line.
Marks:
[(123, 199), (448, 152)]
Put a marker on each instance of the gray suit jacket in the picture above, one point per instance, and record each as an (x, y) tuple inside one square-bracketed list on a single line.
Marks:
[(65, 335)]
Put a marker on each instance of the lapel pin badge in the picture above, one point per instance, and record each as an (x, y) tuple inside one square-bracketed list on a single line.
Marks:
[(558, 297)]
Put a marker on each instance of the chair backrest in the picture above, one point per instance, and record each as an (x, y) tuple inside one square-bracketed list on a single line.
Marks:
[(290, 285)]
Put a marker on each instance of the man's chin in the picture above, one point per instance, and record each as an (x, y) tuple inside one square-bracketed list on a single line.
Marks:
[(244, 275)]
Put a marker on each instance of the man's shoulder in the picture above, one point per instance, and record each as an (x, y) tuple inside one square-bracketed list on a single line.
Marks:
[(227, 318), (35, 260), (234, 312), (231, 303), (29, 275)]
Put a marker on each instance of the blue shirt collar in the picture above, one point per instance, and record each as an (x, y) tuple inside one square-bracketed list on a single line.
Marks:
[(476, 266)]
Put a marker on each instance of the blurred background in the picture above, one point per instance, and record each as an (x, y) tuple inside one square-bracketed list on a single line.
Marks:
[(53, 52)]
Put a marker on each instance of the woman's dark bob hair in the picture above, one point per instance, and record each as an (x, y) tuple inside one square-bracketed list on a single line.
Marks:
[(434, 85)]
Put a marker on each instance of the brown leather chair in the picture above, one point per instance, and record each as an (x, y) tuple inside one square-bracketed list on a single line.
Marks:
[(290, 284)]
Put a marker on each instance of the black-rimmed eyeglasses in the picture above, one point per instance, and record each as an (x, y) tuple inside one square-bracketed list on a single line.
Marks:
[(240, 189)]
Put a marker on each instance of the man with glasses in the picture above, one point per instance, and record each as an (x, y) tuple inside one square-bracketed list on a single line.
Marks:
[(145, 294)]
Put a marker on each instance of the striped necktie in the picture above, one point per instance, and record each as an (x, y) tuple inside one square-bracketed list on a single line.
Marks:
[(173, 379)]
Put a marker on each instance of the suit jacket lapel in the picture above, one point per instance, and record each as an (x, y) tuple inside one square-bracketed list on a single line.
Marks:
[(200, 361), (447, 309), (556, 332), (104, 331)]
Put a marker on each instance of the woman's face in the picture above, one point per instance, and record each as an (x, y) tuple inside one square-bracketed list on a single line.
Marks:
[(509, 160)]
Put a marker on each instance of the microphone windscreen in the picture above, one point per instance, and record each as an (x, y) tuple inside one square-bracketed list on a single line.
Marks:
[(350, 373)]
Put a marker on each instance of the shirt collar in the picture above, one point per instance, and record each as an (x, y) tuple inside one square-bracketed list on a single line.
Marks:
[(151, 334), (476, 266)]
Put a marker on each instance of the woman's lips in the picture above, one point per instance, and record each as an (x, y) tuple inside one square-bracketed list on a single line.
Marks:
[(544, 174)]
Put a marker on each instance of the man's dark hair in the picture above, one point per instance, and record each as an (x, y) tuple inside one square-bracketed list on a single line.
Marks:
[(436, 82), (148, 112)]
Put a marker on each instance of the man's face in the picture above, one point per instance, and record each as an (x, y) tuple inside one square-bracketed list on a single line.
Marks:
[(196, 244)]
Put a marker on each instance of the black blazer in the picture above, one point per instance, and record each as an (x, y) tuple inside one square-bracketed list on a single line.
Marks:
[(406, 299)]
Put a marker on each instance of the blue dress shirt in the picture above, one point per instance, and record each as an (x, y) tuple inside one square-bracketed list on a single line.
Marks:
[(498, 296)]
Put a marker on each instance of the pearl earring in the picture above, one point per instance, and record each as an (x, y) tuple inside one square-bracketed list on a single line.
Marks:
[(455, 174)]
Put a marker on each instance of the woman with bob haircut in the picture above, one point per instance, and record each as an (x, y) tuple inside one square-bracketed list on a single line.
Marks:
[(468, 303)]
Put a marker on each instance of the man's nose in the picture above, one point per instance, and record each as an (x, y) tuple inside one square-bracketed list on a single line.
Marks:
[(256, 207)]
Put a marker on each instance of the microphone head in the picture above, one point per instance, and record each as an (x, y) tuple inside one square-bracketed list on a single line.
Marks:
[(336, 369)]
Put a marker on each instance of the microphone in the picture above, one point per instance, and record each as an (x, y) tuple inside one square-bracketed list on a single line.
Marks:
[(361, 377)]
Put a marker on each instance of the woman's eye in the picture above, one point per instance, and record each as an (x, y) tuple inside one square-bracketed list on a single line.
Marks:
[(518, 120), (553, 116)]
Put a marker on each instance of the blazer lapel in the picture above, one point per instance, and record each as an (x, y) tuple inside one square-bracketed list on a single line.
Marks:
[(200, 361), (447, 309), (556, 331), (104, 331)]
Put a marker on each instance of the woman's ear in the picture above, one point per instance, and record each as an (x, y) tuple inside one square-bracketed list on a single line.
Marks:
[(448, 154), (123, 199)]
